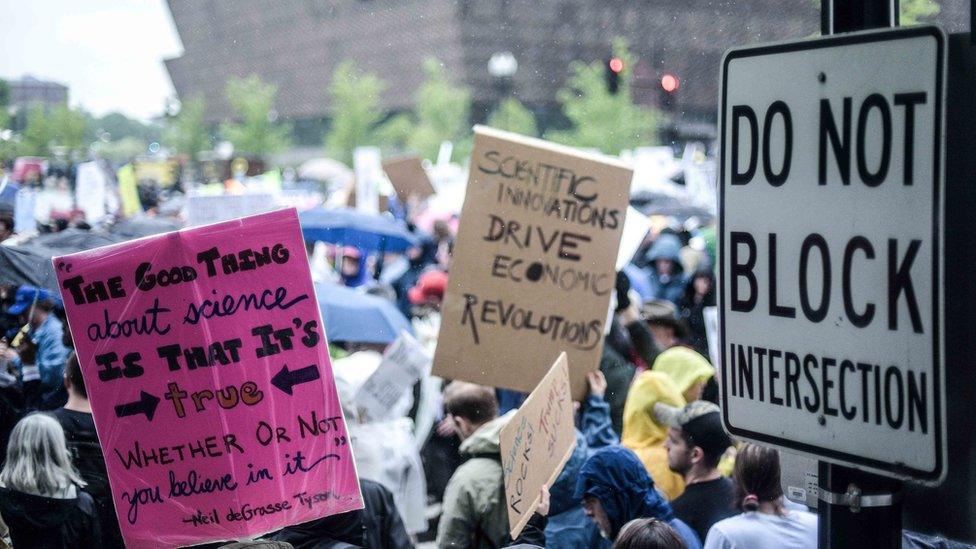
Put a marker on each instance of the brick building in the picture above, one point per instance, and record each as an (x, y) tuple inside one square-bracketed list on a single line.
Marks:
[(296, 44)]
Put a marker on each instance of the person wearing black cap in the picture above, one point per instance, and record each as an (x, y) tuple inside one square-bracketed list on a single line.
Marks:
[(695, 444)]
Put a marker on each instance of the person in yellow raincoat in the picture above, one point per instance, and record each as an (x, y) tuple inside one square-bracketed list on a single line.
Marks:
[(677, 375), (688, 369)]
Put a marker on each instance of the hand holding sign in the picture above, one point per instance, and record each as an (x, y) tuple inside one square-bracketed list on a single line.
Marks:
[(535, 445)]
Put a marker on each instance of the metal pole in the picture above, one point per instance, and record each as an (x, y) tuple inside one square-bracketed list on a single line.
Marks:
[(853, 15), (858, 509)]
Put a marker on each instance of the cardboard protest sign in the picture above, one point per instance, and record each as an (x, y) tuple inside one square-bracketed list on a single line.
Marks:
[(403, 364), (206, 363), (90, 190), (710, 315), (408, 177), (369, 171), (536, 443), (635, 229), (533, 267)]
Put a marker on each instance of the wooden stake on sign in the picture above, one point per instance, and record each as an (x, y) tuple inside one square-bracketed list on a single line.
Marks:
[(536, 444)]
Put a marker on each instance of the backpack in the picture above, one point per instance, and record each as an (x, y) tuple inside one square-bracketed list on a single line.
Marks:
[(87, 457)]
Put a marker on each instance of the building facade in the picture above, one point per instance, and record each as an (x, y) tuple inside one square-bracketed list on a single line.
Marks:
[(28, 90), (296, 44)]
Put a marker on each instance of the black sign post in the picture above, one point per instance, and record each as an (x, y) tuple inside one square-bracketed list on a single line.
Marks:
[(948, 508), (858, 509)]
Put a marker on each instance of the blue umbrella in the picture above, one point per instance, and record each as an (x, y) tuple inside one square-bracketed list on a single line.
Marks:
[(351, 228), (357, 317)]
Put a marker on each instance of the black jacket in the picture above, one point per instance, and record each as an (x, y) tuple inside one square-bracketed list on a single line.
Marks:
[(40, 522), (378, 526), (533, 534), (86, 454), (619, 373)]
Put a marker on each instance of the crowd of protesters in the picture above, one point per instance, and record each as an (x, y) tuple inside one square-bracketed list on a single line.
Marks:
[(652, 468)]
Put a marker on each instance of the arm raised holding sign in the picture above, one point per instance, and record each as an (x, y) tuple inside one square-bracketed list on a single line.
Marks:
[(534, 533)]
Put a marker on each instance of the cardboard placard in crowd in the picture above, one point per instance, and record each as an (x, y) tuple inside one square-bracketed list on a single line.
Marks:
[(91, 187), (404, 362), (536, 443), (408, 176), (533, 268), (635, 229), (205, 360)]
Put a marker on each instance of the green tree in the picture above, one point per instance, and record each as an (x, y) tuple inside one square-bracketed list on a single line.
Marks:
[(913, 12), (512, 116), (601, 120), (442, 112), (186, 133), (356, 112), (118, 126), (121, 150), (9, 142), (254, 133), (37, 134), (68, 128), (4, 95), (393, 134)]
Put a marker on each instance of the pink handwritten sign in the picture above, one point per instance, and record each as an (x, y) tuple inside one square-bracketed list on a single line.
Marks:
[(205, 360)]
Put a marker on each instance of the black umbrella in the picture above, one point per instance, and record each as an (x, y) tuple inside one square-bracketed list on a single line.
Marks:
[(71, 240), (138, 227), (30, 263), (20, 265), (659, 204)]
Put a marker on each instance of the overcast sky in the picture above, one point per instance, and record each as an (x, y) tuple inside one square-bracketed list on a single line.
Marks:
[(109, 53)]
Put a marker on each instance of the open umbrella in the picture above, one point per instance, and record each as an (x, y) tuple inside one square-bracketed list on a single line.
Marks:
[(325, 170), (71, 240), (20, 265), (649, 203), (140, 226), (351, 228), (357, 317)]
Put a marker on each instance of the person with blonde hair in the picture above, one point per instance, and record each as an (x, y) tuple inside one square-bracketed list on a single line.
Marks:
[(41, 500)]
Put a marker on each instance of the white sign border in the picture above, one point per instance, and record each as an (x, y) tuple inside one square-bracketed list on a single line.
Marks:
[(938, 474)]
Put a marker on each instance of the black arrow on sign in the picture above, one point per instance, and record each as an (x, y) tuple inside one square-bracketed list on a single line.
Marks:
[(146, 404), (285, 380)]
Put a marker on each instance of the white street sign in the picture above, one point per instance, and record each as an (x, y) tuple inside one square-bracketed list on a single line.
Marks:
[(831, 234)]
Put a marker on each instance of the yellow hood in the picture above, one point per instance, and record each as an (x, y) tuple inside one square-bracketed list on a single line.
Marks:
[(640, 428), (684, 366)]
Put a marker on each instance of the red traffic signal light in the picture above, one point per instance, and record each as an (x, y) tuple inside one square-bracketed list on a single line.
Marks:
[(670, 82), (613, 67)]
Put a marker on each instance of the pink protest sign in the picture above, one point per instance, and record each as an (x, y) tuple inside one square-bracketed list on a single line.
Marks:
[(205, 360)]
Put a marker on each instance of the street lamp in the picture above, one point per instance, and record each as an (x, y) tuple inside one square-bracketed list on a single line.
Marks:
[(502, 67)]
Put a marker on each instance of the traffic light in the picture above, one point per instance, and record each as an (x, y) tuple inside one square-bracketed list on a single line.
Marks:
[(669, 87), (614, 67)]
